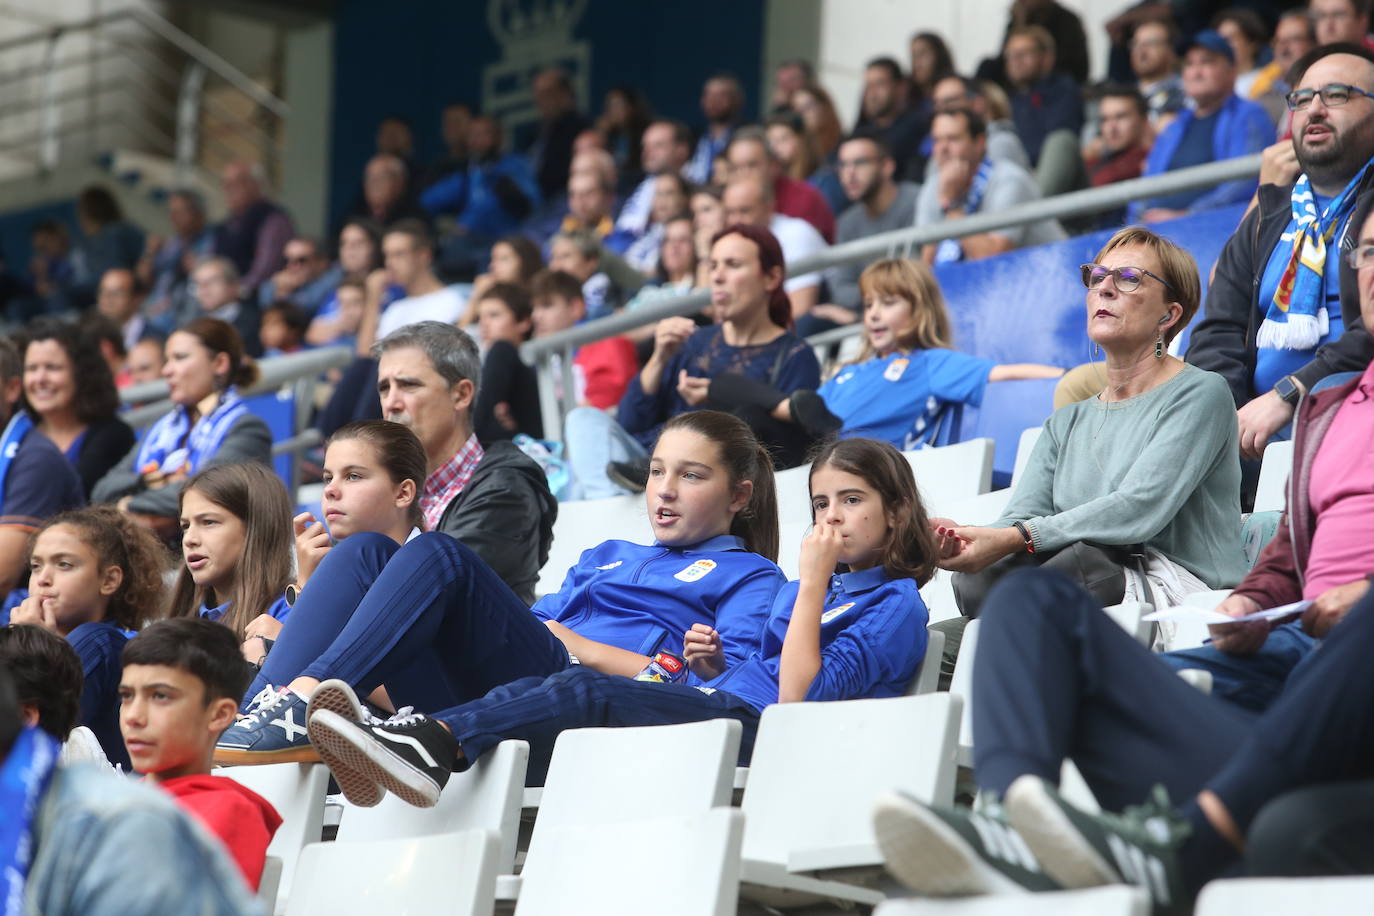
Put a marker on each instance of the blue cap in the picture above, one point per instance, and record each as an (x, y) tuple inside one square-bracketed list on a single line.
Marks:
[(1211, 40)]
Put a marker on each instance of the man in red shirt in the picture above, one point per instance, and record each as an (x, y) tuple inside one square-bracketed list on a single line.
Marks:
[(749, 155)]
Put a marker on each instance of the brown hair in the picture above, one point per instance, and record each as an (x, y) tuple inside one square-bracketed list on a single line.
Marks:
[(257, 497), (1176, 266), (221, 337), (526, 252), (770, 256), (909, 551), (118, 541), (46, 672), (745, 458), (398, 452), (828, 128), (549, 284), (913, 281), (515, 298)]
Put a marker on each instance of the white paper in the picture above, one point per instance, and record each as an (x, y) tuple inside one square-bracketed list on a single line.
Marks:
[(1203, 615)]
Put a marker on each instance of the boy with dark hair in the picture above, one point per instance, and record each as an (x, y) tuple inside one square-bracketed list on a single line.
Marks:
[(601, 369), (282, 328), (47, 677), (180, 690), (508, 392)]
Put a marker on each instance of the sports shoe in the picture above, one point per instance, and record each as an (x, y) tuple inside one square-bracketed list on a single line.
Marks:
[(810, 413), (953, 852), (410, 755), (633, 475), (271, 731), (1138, 846), (339, 698)]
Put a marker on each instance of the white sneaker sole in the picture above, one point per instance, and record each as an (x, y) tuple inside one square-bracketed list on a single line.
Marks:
[(337, 697), (1054, 839), (361, 764), (929, 857)]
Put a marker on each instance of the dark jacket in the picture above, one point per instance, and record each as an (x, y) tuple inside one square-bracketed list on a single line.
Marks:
[(505, 515), (1224, 342), (106, 442)]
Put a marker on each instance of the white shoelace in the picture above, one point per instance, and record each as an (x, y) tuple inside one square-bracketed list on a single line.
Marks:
[(268, 699)]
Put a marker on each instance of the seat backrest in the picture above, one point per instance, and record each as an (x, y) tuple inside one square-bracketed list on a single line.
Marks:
[(804, 795), (790, 537), (297, 791), (1245, 896), (452, 873), (962, 682), (615, 775), (1112, 900), (928, 675), (687, 864), (1334, 380), (278, 410), (583, 524), (1008, 409), (1272, 492), (485, 797), (1024, 446), (954, 472), (793, 487)]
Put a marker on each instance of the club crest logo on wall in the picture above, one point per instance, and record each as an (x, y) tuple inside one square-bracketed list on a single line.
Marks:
[(534, 35)]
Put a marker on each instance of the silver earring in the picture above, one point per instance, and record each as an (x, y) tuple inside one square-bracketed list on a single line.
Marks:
[(1097, 350)]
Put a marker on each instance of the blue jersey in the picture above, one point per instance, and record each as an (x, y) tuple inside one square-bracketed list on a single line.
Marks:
[(278, 609), (873, 637), (644, 598), (897, 397)]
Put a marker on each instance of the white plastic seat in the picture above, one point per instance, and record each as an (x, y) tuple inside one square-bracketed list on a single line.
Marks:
[(452, 873), (485, 797), (1272, 491), (1024, 447), (1113, 900), (297, 791), (583, 524), (687, 865), (951, 473), (928, 675), (1295, 896), (809, 808)]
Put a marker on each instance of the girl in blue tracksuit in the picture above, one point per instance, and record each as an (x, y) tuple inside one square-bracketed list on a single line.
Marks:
[(439, 628), (94, 575), (829, 636)]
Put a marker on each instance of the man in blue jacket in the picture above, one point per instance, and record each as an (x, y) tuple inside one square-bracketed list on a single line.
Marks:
[(1217, 124)]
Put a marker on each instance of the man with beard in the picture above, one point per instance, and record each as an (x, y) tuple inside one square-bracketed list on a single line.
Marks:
[(1281, 311)]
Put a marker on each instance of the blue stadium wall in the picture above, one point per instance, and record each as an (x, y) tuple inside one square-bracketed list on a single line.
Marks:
[(411, 57)]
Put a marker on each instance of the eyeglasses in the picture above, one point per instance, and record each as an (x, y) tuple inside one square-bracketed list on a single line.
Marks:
[(1361, 257), (1333, 95), (1126, 279)]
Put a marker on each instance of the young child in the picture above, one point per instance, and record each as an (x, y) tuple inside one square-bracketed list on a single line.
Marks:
[(508, 392), (438, 627), (179, 691), (95, 575), (282, 328), (601, 369), (236, 540), (47, 677), (860, 633), (903, 378)]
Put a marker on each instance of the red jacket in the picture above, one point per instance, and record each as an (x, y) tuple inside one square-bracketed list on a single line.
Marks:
[(802, 200), (604, 368), (240, 817), (1279, 573)]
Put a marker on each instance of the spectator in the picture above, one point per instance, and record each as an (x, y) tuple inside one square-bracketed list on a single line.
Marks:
[(817, 110), (965, 181), (602, 368), (409, 257), (722, 104), (308, 279), (52, 268), (1217, 124), (884, 110), (1293, 37), (109, 342), (282, 329), (491, 196), (880, 204), (1154, 62), (255, 231), (387, 195), (514, 259), (749, 201), (676, 273), (954, 92), (108, 241), (1047, 107), (667, 148), (671, 193), (144, 363), (750, 156), (580, 254), (1277, 323), (930, 63), (360, 253), (35, 480), (1069, 42), (625, 114), (1247, 34), (1123, 139), (559, 124), (790, 77), (708, 218), (70, 396), (591, 200), (395, 137), (166, 265), (51, 689), (508, 391), (454, 120), (217, 292), (795, 149), (119, 298), (1337, 21)]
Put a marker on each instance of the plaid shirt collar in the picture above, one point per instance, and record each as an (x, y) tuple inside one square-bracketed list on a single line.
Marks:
[(447, 481)]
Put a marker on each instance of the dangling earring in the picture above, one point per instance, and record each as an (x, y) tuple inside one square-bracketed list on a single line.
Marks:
[(1097, 350), (1159, 347)]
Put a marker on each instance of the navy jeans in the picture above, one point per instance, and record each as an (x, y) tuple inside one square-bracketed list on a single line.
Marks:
[(1250, 681), (428, 619)]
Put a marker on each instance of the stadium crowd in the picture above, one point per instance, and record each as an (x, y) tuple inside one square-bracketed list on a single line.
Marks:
[(171, 608)]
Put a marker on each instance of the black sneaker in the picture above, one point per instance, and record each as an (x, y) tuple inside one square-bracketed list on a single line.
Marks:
[(1139, 846), (410, 755), (953, 852), (810, 413), (633, 475)]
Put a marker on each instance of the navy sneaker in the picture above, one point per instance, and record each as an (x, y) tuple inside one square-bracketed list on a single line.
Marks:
[(272, 731), (1138, 846), (338, 697), (954, 852), (409, 755)]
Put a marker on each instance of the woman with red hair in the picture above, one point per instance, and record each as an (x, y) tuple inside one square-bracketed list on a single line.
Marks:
[(751, 337)]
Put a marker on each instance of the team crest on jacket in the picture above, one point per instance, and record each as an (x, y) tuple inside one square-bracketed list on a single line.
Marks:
[(895, 369), (835, 612), (695, 571), (610, 565)]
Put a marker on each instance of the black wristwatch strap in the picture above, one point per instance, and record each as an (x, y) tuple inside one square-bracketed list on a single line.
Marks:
[(1287, 389)]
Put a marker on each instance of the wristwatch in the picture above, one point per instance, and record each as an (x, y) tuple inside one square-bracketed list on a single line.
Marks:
[(1287, 389)]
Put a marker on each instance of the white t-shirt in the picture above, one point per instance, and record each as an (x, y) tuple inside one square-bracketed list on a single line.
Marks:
[(799, 239), (441, 305)]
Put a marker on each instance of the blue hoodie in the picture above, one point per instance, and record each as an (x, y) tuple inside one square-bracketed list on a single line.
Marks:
[(644, 598)]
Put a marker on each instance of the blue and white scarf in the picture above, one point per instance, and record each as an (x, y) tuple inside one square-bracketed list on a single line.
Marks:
[(24, 779), (1296, 317), (173, 442), (13, 437), (949, 250)]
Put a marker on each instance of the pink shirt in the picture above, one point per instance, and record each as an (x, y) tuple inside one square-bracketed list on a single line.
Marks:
[(1342, 495)]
